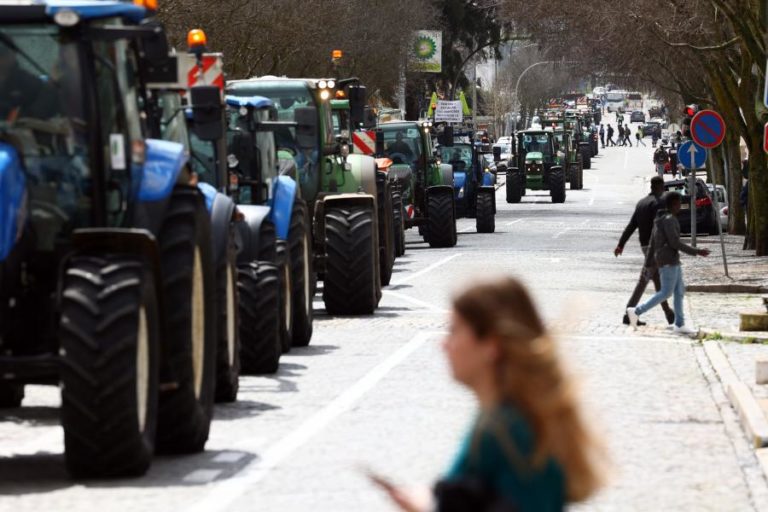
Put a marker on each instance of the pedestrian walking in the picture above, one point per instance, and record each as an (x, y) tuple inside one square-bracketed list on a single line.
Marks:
[(602, 136), (628, 135), (529, 448), (621, 135), (660, 160), (664, 252), (639, 136), (610, 133), (642, 222)]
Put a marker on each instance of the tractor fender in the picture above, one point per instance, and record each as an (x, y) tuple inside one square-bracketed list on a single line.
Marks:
[(137, 242), (13, 198), (162, 165), (363, 170), (284, 195), (439, 189), (222, 212), (487, 179), (446, 174), (248, 231), (459, 181), (287, 166)]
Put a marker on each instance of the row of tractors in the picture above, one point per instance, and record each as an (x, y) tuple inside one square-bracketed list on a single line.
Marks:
[(164, 231), (551, 154)]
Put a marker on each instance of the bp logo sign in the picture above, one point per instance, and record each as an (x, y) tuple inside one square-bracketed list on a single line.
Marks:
[(426, 55)]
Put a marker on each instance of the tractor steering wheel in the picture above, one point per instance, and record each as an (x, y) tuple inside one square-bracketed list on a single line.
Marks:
[(398, 156)]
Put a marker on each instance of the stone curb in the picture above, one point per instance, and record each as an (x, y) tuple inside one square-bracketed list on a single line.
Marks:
[(733, 336), (753, 420), (726, 288)]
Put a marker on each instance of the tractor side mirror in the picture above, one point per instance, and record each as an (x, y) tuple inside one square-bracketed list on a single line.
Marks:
[(357, 99), (207, 112), (497, 154), (379, 142), (306, 127)]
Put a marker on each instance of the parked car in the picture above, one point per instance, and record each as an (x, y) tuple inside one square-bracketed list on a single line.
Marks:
[(650, 127), (722, 202), (637, 116), (706, 216)]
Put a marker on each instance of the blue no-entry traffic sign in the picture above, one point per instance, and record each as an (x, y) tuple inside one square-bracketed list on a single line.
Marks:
[(708, 129), (691, 155)]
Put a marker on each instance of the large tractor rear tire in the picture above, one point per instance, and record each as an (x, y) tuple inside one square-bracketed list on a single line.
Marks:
[(386, 238), (581, 174), (586, 155), (110, 339), (302, 274), (186, 403), (397, 219), (441, 222), (514, 187), (351, 276), (11, 395), (261, 346), (486, 216), (228, 326), (557, 184)]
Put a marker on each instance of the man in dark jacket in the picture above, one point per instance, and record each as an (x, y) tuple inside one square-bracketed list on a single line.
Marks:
[(642, 221), (665, 250)]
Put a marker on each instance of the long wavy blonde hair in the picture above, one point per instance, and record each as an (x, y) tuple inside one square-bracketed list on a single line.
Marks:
[(532, 378)]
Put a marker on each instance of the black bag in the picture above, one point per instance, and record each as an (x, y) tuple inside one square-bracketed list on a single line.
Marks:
[(468, 495)]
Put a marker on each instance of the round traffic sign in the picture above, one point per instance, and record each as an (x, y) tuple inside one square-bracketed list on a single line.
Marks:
[(691, 155), (708, 129)]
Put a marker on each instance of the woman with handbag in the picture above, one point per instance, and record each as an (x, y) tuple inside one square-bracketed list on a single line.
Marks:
[(529, 448)]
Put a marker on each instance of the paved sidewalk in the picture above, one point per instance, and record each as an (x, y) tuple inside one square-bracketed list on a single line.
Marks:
[(748, 273)]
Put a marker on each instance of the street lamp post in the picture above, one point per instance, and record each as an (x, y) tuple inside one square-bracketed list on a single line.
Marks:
[(517, 88)]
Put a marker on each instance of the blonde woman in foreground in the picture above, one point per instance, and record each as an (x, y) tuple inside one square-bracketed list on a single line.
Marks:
[(529, 448)]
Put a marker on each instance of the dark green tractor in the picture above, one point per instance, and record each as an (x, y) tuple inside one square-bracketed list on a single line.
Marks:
[(571, 159), (535, 166)]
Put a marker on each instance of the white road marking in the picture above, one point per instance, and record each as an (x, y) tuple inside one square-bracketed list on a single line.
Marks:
[(561, 233), (591, 201), (513, 222), (202, 476), (467, 230), (225, 493), (228, 457), (417, 302), (427, 270)]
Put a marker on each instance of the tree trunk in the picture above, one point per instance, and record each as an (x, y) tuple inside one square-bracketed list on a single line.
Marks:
[(736, 213)]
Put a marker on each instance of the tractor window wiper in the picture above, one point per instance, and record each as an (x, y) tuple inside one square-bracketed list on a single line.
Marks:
[(7, 41)]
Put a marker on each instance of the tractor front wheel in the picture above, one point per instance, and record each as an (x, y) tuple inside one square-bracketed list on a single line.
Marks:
[(441, 220), (514, 187), (557, 185), (351, 274), (110, 338), (261, 347), (486, 217), (227, 324), (302, 274), (397, 219)]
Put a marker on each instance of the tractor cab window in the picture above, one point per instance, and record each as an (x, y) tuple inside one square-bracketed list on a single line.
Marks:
[(341, 123), (42, 116), (537, 143), (254, 151), (458, 156), (402, 145), (202, 158)]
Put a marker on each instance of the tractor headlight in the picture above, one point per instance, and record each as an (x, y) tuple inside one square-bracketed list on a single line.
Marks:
[(325, 94), (331, 84), (322, 84)]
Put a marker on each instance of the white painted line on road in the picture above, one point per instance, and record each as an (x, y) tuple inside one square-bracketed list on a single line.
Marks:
[(228, 457), (427, 270), (417, 302), (561, 233), (513, 222), (227, 492), (202, 476)]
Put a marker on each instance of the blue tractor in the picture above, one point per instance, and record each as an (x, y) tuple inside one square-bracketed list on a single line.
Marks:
[(276, 225), (474, 191), (107, 284)]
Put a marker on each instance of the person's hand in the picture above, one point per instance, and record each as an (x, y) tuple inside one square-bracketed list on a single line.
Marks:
[(618, 251), (704, 252), (408, 500)]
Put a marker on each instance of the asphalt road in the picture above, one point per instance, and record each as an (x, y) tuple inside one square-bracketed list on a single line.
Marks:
[(374, 392)]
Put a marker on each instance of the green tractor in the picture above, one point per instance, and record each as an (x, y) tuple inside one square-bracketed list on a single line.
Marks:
[(391, 228), (338, 187), (568, 154), (535, 166), (426, 185)]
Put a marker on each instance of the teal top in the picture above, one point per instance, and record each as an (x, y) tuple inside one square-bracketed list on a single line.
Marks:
[(497, 452)]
